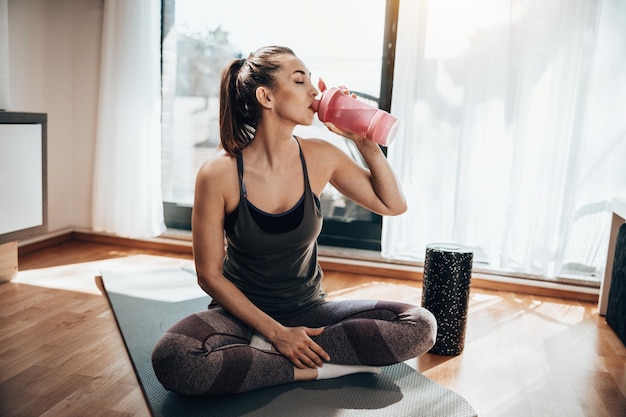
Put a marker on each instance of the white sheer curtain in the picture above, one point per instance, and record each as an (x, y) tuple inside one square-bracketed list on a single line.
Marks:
[(127, 178), (513, 136), (4, 55)]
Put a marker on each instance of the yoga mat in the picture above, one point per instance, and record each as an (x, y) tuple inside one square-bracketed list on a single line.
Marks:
[(146, 303)]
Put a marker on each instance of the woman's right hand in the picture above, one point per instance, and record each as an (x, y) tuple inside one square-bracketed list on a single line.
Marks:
[(296, 344)]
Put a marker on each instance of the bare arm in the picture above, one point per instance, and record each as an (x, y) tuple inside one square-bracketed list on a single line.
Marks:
[(376, 188), (208, 215)]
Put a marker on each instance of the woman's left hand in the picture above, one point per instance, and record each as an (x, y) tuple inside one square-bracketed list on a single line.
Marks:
[(295, 343)]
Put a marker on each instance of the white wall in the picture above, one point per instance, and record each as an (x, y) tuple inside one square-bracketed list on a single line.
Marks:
[(54, 60)]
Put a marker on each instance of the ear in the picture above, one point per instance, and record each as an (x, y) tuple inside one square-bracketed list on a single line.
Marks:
[(264, 97)]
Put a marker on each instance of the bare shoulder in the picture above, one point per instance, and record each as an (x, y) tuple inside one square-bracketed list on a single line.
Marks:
[(317, 149), (322, 161), (218, 169), (217, 181)]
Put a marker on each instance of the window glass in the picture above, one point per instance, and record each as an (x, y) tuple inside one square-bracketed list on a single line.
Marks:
[(340, 41)]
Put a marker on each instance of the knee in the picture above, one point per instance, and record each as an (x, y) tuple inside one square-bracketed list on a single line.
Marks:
[(175, 361), (430, 329), (166, 362), (425, 329)]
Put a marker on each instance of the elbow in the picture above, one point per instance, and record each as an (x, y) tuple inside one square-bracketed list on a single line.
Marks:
[(399, 210), (203, 286), (397, 205), (395, 210)]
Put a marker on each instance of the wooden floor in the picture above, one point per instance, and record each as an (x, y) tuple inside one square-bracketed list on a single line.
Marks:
[(526, 356)]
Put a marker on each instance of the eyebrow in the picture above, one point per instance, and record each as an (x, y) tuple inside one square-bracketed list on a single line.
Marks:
[(300, 72)]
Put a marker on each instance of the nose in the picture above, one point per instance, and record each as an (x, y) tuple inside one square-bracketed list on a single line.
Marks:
[(314, 91)]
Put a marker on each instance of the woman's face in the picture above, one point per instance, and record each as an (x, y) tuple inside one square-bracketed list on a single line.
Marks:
[(294, 93)]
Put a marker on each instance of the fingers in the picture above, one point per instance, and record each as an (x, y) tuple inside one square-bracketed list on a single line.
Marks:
[(317, 354), (334, 129), (345, 90), (321, 354), (312, 361), (304, 358), (314, 332), (321, 85), (317, 349), (312, 357), (343, 133), (301, 350)]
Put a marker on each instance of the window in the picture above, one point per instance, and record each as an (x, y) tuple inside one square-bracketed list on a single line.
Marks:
[(335, 42)]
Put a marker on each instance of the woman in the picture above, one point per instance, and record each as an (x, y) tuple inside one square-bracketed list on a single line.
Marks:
[(269, 322)]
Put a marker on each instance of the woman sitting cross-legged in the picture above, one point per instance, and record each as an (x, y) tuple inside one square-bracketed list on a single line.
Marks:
[(269, 322)]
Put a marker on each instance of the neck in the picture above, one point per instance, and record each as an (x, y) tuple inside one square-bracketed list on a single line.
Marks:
[(270, 147)]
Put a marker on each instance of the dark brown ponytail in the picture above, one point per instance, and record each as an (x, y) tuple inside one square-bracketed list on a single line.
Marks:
[(239, 108)]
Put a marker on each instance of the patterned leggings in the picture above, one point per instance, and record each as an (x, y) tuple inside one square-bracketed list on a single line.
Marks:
[(208, 354)]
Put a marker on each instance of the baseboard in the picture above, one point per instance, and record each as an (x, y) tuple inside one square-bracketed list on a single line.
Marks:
[(44, 241), (168, 245), (8, 261), (480, 280), (53, 239)]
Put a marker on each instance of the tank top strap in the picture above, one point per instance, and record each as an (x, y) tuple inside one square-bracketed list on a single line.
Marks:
[(307, 186), (240, 172)]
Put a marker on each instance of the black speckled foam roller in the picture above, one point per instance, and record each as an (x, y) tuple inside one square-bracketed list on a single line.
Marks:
[(445, 293)]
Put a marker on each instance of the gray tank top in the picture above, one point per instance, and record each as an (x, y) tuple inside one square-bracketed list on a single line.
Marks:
[(278, 272)]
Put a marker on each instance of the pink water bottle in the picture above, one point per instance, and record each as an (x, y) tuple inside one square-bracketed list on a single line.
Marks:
[(355, 116)]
